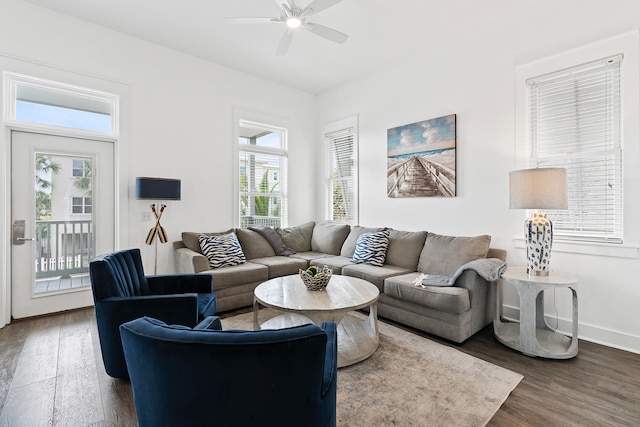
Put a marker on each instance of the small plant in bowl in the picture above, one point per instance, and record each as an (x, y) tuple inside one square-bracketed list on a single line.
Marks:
[(316, 278)]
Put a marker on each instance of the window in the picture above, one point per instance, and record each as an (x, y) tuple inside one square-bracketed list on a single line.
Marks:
[(78, 168), (81, 205), (262, 175), (342, 176), (575, 123), (44, 102)]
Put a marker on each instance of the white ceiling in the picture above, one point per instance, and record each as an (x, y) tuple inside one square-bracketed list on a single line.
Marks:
[(382, 32)]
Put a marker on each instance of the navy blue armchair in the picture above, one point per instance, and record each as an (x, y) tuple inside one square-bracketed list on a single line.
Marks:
[(121, 292), (208, 377)]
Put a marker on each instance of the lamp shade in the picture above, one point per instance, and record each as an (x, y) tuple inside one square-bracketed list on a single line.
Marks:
[(540, 188), (157, 188)]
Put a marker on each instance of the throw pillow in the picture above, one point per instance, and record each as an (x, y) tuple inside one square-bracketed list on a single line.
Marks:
[(297, 238), (222, 251), (190, 238), (371, 248), (443, 255), (349, 245), (274, 240)]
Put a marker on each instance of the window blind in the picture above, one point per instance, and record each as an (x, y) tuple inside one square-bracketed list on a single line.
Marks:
[(342, 176), (575, 123)]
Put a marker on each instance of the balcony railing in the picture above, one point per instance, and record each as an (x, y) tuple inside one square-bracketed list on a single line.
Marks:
[(63, 248), (268, 221)]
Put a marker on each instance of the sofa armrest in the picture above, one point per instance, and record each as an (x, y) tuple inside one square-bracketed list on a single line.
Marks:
[(481, 297), (188, 261)]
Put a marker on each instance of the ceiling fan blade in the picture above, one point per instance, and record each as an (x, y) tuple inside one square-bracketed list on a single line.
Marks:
[(326, 32), (285, 42), (255, 20), (319, 5), (280, 3)]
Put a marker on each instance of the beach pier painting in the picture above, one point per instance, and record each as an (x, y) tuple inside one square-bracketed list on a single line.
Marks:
[(421, 159)]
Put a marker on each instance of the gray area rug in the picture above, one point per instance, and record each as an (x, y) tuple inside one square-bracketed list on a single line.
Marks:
[(413, 381)]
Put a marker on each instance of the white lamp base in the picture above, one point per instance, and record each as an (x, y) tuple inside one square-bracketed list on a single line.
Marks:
[(538, 233)]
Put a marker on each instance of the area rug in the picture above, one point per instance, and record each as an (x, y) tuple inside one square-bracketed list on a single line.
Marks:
[(413, 381)]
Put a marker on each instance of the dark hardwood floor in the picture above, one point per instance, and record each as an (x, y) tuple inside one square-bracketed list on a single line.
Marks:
[(51, 374)]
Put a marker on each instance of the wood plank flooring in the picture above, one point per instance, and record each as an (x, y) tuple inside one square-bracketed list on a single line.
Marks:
[(51, 374)]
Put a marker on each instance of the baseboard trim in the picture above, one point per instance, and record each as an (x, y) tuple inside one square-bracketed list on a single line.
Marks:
[(591, 333)]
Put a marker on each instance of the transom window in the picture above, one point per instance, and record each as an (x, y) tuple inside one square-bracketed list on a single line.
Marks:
[(48, 103)]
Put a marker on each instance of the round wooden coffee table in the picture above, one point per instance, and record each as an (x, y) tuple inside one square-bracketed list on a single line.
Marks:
[(357, 338)]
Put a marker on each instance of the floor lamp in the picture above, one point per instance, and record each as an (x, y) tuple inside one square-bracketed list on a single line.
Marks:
[(157, 189)]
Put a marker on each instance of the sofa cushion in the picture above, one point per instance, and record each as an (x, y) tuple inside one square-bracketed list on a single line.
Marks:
[(405, 248), (297, 238), (375, 275), (190, 238), (328, 237), (349, 245), (371, 248), (253, 244), (274, 240), (449, 299), (281, 265), (443, 255), (222, 251), (238, 275)]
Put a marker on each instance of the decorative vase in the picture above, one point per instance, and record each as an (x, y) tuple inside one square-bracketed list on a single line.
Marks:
[(538, 233)]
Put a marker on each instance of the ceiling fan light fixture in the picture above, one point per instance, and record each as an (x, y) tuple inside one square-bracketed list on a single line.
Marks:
[(293, 22)]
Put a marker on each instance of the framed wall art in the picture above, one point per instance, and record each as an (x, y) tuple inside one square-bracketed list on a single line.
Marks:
[(421, 159)]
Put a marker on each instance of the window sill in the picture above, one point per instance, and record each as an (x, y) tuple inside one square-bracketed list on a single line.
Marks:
[(590, 248)]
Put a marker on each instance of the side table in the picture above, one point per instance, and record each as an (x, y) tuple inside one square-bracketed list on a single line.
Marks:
[(532, 336)]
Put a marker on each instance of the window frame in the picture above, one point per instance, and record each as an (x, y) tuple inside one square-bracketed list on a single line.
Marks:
[(282, 171), (341, 127), (627, 44)]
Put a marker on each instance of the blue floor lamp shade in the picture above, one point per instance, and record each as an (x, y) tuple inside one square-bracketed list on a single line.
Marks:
[(157, 188)]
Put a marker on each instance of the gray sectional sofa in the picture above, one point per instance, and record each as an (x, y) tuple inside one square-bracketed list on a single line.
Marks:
[(452, 312)]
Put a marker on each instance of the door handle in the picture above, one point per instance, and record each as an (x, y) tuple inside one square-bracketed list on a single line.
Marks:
[(18, 232)]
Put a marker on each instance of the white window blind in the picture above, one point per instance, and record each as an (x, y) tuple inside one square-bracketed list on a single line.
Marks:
[(342, 188), (575, 123)]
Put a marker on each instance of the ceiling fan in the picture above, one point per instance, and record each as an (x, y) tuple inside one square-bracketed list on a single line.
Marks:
[(294, 16)]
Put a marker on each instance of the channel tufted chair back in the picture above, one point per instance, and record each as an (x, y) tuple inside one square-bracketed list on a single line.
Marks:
[(122, 292), (206, 376)]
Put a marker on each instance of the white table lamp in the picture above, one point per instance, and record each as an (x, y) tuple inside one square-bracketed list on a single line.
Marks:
[(540, 188)]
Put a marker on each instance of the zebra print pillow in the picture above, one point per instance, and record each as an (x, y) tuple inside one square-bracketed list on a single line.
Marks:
[(222, 251), (371, 248)]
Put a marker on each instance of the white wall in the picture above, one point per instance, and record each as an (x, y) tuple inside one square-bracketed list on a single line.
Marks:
[(473, 76), (179, 123)]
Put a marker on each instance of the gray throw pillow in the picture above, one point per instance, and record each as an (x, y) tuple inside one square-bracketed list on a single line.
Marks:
[(190, 238), (297, 238), (274, 240), (328, 237), (443, 255)]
